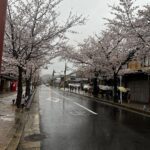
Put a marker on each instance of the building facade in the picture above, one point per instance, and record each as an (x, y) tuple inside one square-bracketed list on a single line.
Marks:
[(8, 83), (137, 78)]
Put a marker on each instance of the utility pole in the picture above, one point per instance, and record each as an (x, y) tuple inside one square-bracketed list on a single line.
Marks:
[(65, 74), (3, 8), (53, 74), (120, 90)]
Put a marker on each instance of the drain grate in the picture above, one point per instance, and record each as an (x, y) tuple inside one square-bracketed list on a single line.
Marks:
[(35, 137)]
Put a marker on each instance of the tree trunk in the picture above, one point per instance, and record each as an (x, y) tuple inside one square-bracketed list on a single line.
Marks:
[(28, 87), (115, 94), (19, 92), (95, 86)]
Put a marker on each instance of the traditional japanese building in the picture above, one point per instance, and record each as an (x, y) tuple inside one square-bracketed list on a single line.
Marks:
[(8, 83), (137, 78)]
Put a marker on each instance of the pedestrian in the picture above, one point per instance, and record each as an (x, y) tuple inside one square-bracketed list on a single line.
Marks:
[(13, 101), (128, 97)]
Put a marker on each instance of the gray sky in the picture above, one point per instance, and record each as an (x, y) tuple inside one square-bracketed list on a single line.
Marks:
[(95, 10)]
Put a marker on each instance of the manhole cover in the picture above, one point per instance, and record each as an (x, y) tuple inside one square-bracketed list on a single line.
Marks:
[(35, 137)]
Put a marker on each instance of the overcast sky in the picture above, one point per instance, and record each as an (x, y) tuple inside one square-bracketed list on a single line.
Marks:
[(95, 11)]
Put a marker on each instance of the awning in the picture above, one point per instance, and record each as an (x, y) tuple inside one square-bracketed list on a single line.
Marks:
[(86, 87), (74, 85), (105, 87), (123, 89), (8, 77)]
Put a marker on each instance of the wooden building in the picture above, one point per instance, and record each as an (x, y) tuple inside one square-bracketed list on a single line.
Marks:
[(139, 85), (8, 83)]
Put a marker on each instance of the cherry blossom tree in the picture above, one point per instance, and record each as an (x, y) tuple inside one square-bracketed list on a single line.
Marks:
[(116, 54), (143, 31), (32, 71), (33, 31), (133, 25), (134, 22), (87, 57), (104, 55)]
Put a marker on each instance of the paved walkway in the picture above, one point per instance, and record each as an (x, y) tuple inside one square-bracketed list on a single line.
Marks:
[(13, 121), (8, 119), (31, 136), (6, 94)]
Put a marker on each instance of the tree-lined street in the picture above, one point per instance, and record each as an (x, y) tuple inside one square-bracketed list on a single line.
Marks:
[(110, 67), (73, 122)]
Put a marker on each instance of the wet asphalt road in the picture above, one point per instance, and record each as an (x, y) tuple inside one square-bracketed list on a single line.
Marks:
[(72, 122)]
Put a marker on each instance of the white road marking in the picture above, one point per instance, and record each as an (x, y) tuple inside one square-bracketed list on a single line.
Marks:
[(56, 100), (78, 104), (86, 108)]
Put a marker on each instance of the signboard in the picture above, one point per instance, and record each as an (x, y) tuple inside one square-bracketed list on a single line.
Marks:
[(134, 65)]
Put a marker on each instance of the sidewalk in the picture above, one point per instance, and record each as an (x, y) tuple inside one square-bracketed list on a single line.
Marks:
[(143, 109), (8, 119), (31, 136), (12, 122), (6, 94)]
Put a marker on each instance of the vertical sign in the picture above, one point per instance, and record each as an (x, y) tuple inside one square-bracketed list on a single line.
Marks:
[(3, 7)]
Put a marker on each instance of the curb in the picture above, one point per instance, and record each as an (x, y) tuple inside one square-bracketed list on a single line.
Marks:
[(13, 144), (30, 101), (14, 141), (31, 132), (125, 107)]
